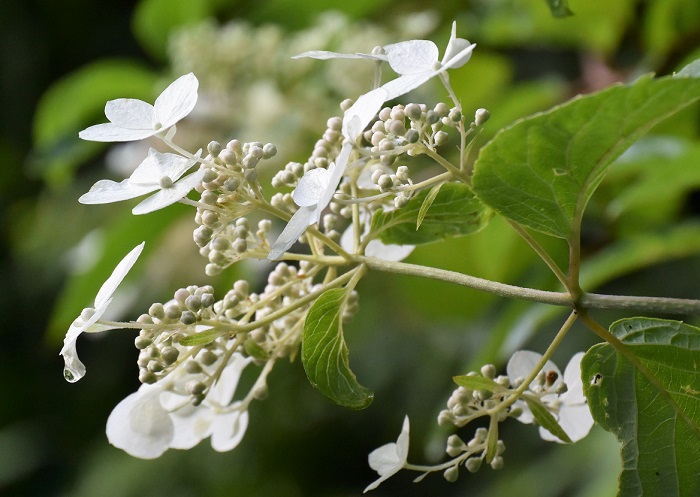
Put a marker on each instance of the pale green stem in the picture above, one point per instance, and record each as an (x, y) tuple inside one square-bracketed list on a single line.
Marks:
[(501, 289), (447, 165), (542, 253), (538, 367)]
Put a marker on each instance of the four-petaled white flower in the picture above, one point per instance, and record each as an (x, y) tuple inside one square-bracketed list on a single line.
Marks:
[(87, 321), (159, 172), (570, 408), (415, 61), (155, 418), (132, 119), (389, 459)]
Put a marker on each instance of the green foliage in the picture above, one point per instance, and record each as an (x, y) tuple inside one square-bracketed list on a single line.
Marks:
[(325, 355), (454, 211), (202, 338), (478, 382), (559, 8), (542, 171), (546, 419), (647, 395)]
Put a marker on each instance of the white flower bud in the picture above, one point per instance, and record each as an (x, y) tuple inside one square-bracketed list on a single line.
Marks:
[(481, 116), (473, 464), (441, 138), (451, 474)]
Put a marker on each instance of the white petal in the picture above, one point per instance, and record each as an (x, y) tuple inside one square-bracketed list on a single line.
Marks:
[(117, 275), (454, 46), (222, 391), (139, 425), (191, 424), (576, 421), (336, 174), (130, 113), (106, 191), (109, 132), (326, 55), (572, 378), (409, 57), (402, 85), (523, 362), (150, 170), (176, 101), (228, 430), (388, 459), (73, 369), (168, 196), (391, 252), (460, 57), (358, 116), (311, 187), (402, 441), (291, 233)]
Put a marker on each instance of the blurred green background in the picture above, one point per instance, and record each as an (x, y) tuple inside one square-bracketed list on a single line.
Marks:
[(61, 61)]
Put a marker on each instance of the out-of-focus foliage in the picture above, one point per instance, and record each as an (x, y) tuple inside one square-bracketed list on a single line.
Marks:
[(641, 234)]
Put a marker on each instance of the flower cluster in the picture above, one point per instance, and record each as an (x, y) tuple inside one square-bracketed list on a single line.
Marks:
[(193, 349), (497, 398)]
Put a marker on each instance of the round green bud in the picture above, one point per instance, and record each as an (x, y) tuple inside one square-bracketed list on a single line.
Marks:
[(451, 474), (169, 355)]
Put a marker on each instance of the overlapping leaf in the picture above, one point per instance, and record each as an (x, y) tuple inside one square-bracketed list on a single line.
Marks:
[(454, 211), (542, 171), (651, 403)]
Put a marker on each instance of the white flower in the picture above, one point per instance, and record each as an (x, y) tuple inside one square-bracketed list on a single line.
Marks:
[(570, 408), (415, 61), (158, 172), (225, 424), (86, 322), (156, 418), (132, 119), (140, 425), (375, 248), (389, 459), (316, 188)]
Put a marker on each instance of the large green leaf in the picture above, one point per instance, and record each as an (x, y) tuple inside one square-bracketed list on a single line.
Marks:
[(455, 211), (325, 355), (651, 404), (542, 170)]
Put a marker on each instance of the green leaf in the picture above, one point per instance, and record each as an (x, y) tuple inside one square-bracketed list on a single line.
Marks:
[(541, 171), (478, 382), (202, 338), (651, 403), (325, 354), (253, 349), (559, 8), (455, 211), (546, 419), (427, 202)]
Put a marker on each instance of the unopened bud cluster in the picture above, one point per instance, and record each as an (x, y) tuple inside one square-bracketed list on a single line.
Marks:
[(472, 454), (465, 405), (325, 150)]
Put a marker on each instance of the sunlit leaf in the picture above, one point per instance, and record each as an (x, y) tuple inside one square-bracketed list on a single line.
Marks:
[(325, 354), (542, 171), (651, 403), (455, 211)]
